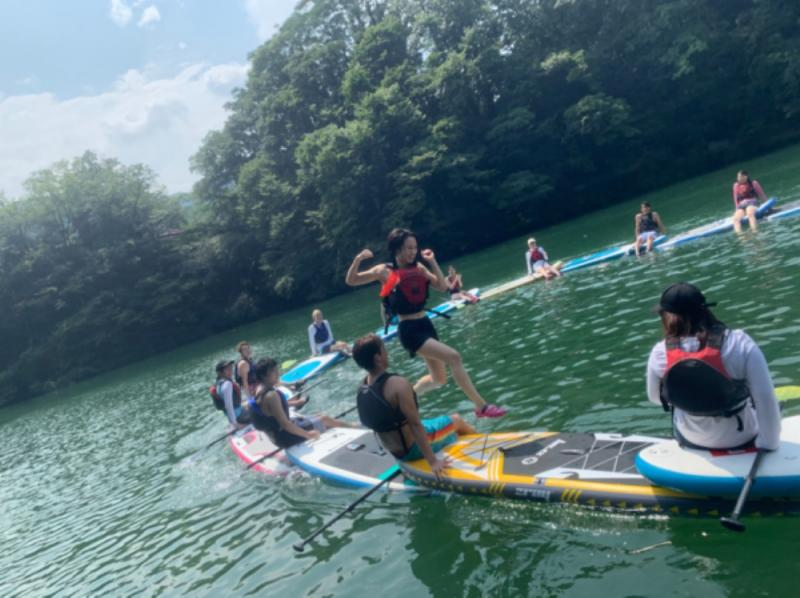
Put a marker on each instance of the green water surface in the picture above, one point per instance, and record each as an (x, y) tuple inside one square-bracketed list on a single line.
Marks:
[(97, 496)]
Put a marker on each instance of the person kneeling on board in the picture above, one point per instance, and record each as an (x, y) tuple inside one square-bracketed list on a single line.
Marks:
[(387, 404), (269, 411), (227, 395), (714, 380)]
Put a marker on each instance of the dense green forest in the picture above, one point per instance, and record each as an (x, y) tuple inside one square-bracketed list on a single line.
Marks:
[(469, 121)]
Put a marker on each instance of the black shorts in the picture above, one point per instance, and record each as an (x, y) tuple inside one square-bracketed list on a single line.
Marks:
[(414, 333)]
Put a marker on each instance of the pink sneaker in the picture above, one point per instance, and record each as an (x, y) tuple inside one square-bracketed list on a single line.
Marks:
[(490, 410)]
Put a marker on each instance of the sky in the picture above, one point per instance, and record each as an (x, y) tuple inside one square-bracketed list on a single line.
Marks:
[(142, 81)]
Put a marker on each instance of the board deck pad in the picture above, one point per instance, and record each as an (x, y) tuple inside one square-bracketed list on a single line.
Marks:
[(592, 470)]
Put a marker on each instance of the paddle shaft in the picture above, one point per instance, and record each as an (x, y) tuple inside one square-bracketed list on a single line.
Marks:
[(732, 522), (300, 546), (278, 450)]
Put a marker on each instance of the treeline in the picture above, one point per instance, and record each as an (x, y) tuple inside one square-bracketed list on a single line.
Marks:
[(467, 120)]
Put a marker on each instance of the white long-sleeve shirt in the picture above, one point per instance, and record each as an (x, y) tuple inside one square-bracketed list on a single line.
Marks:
[(528, 261), (743, 360), (226, 389), (316, 349)]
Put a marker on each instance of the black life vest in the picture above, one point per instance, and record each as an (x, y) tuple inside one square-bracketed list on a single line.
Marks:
[(405, 291), (216, 395), (269, 424), (377, 414), (320, 333), (647, 223), (698, 383), (251, 373)]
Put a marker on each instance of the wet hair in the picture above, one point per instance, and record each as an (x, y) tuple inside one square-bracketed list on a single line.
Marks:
[(365, 349), (263, 368), (696, 324), (240, 345)]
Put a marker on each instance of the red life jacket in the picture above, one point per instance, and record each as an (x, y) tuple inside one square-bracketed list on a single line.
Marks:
[(536, 255), (744, 191), (698, 383), (405, 291), (219, 402)]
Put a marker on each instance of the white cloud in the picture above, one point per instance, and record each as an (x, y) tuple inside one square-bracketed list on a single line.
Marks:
[(267, 14), (149, 15), (158, 122), (120, 13)]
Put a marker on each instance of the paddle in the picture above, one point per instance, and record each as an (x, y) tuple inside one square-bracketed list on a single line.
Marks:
[(276, 451), (787, 393), (288, 364), (732, 522), (221, 438), (300, 546)]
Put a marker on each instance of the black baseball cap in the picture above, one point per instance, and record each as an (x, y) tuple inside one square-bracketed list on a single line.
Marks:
[(223, 363), (683, 299)]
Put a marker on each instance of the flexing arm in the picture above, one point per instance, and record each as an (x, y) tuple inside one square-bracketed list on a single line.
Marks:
[(273, 402), (355, 278), (436, 277)]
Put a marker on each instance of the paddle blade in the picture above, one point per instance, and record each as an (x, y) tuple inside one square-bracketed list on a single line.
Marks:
[(288, 364), (787, 393), (732, 524)]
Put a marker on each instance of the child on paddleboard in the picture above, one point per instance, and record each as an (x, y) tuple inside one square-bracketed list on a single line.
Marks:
[(406, 281)]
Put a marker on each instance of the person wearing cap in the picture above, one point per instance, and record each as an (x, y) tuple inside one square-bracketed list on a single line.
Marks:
[(714, 380), (538, 262), (228, 396)]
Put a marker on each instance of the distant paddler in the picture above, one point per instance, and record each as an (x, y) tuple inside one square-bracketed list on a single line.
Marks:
[(538, 262), (388, 405), (320, 336), (747, 194), (406, 281), (647, 224), (455, 287)]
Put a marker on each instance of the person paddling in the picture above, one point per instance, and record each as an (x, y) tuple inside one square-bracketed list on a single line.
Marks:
[(455, 287), (269, 411), (647, 224), (537, 261), (388, 405), (746, 196), (406, 281), (227, 395), (244, 373), (714, 380), (320, 336)]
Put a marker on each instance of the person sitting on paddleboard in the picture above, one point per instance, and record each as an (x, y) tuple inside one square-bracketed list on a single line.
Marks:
[(227, 395), (320, 336), (746, 196), (647, 225), (405, 290), (269, 411), (714, 380), (244, 369), (537, 261), (455, 286), (388, 405)]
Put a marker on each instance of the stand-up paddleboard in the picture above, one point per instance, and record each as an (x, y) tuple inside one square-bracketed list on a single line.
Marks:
[(311, 367), (250, 445), (606, 255), (518, 282), (591, 470), (787, 212), (349, 457), (443, 308), (722, 472), (714, 228)]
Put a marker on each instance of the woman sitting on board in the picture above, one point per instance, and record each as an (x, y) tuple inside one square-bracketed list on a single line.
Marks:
[(269, 411), (537, 261), (320, 336), (714, 380), (388, 405), (647, 225), (455, 286), (405, 290), (746, 196), (227, 395)]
